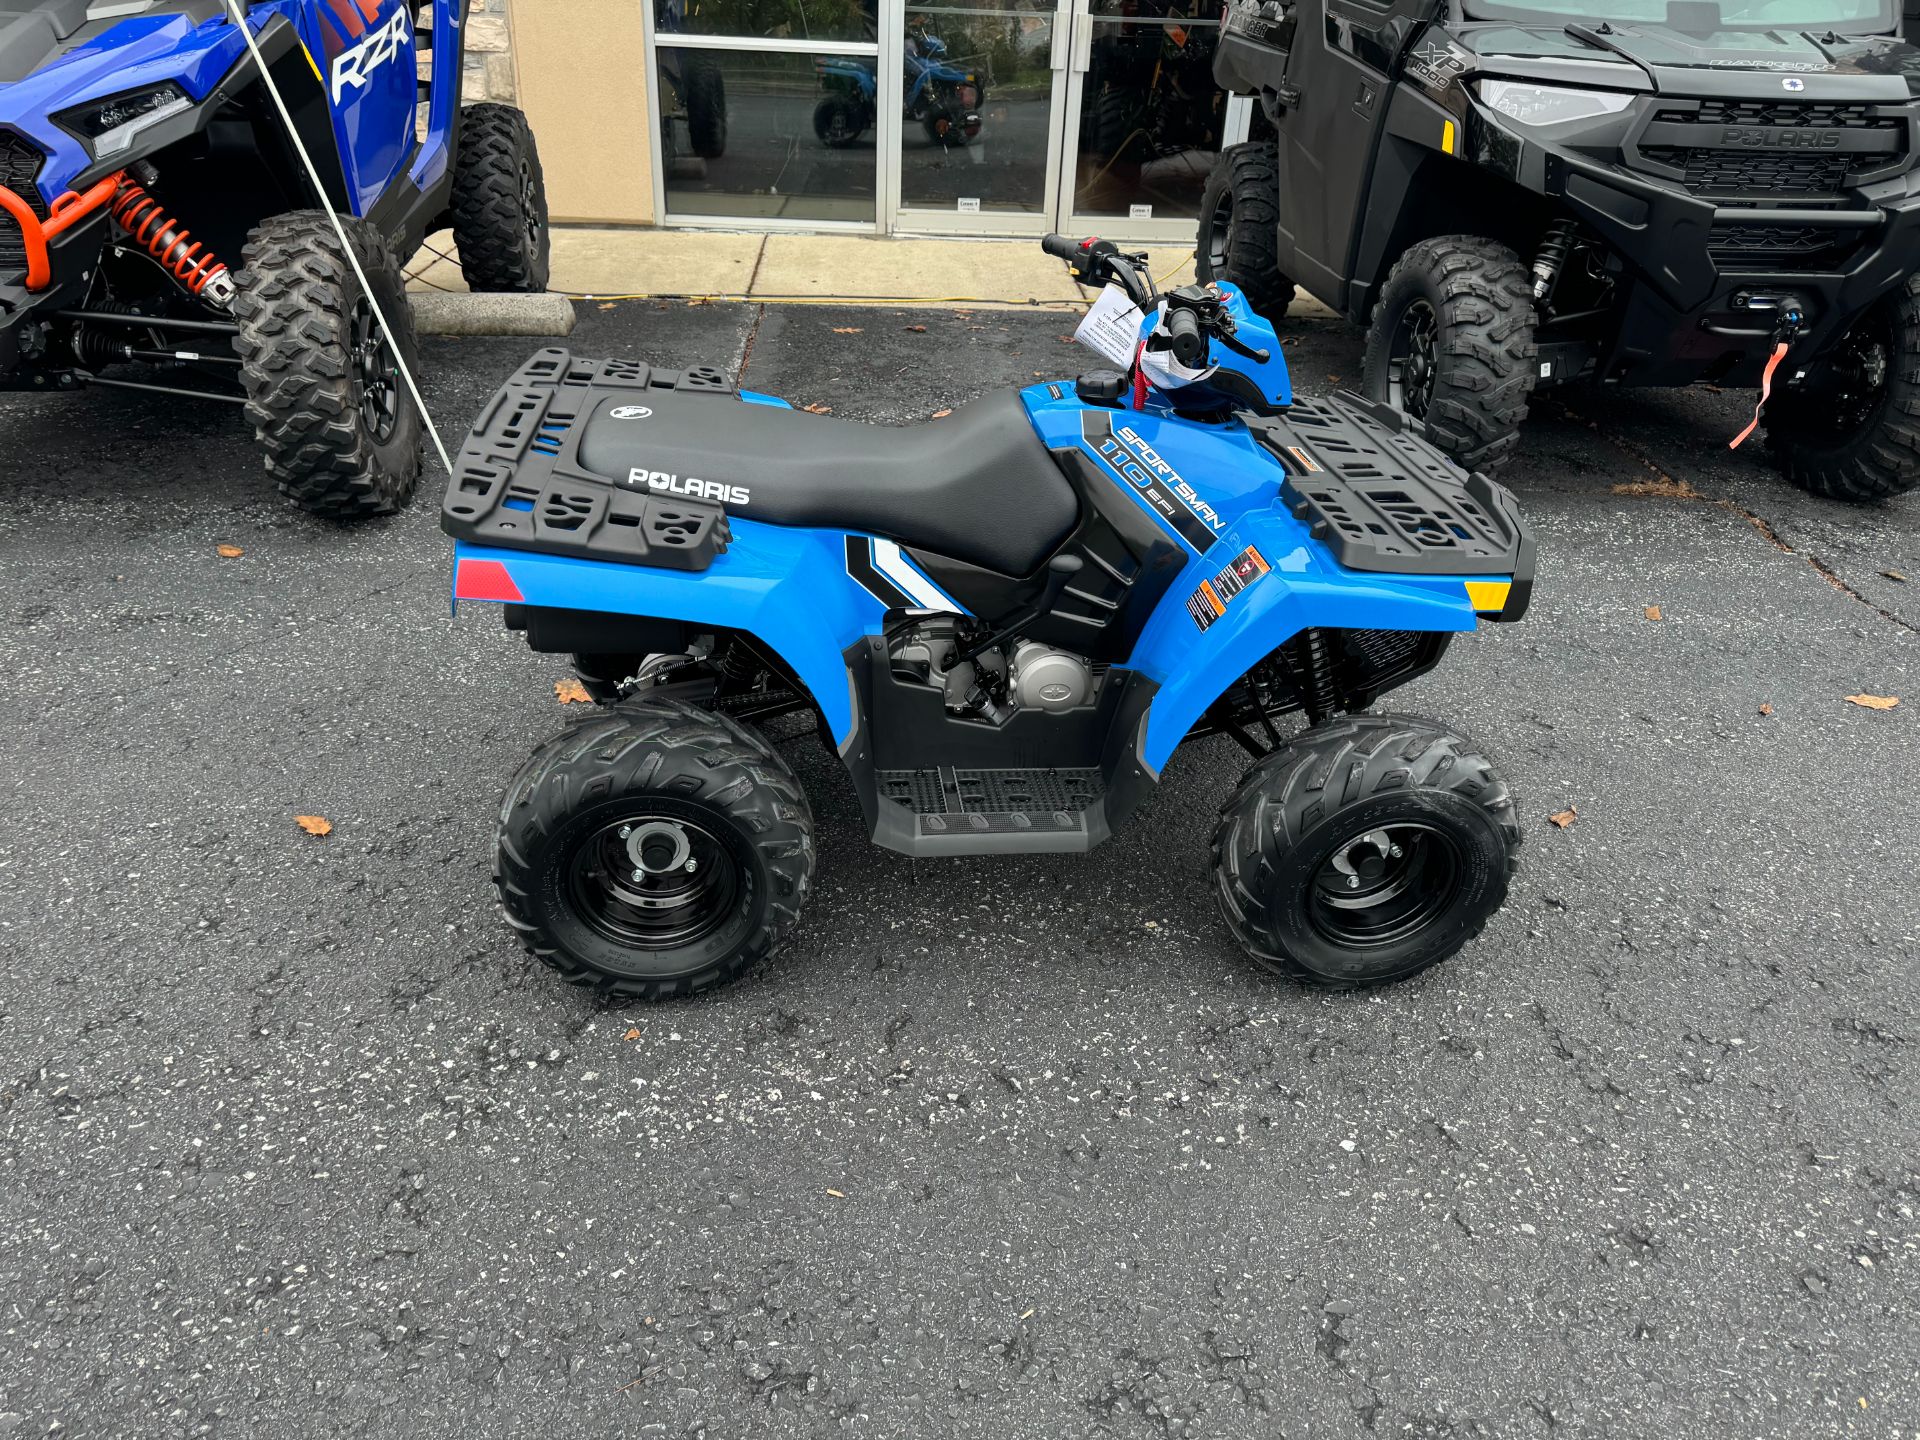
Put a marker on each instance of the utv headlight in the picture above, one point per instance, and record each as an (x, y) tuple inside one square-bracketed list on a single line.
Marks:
[(109, 126), (1549, 104)]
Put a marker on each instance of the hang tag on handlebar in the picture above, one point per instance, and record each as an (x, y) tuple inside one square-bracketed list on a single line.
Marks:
[(1111, 328)]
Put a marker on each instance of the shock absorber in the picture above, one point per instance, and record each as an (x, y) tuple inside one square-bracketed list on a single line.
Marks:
[(1311, 659), (198, 270), (1555, 246)]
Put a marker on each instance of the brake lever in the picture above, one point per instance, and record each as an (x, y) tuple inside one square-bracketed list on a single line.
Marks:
[(1257, 354)]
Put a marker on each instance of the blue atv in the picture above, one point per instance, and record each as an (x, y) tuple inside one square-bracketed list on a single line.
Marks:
[(143, 153), (1005, 621), (942, 96)]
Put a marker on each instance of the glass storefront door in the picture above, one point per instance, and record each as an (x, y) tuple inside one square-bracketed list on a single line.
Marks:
[(1146, 118), (970, 117)]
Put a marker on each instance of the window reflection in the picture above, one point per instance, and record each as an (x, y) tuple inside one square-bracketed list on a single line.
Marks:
[(978, 87), (769, 19), (737, 137), (1150, 113)]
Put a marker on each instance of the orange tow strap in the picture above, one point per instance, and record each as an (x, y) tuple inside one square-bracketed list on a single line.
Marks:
[(1766, 388)]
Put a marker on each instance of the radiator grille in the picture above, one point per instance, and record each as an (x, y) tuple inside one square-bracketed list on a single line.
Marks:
[(20, 164)]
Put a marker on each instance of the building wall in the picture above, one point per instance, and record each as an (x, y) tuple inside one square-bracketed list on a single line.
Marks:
[(578, 68)]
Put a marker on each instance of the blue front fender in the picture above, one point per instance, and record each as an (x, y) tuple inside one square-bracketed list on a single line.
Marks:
[(1304, 587), (788, 588)]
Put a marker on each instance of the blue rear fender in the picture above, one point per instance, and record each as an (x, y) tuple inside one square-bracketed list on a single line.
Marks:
[(788, 588), (1303, 587)]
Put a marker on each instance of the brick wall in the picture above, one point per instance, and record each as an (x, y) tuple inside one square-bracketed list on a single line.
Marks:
[(489, 63)]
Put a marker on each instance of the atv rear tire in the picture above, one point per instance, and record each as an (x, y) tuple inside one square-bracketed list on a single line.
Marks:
[(500, 203), (1853, 432), (1240, 228), (838, 121), (1364, 851), (706, 99), (339, 427), (1451, 344), (653, 850)]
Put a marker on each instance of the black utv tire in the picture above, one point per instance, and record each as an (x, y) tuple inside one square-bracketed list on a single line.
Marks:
[(1865, 448), (666, 777), (706, 100), (1474, 299), (500, 203), (1284, 854), (1240, 228), (339, 427)]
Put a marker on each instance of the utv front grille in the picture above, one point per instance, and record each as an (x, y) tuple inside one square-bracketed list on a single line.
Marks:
[(1742, 172), (1779, 247), (20, 163), (1765, 149)]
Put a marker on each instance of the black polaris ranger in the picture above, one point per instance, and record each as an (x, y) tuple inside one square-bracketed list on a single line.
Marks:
[(1521, 193)]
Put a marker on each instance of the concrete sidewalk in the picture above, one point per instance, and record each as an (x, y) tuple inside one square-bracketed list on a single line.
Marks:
[(604, 263)]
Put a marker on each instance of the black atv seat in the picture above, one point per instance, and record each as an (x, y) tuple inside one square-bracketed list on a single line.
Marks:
[(977, 486)]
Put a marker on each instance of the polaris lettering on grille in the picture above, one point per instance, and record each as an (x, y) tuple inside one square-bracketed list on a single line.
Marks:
[(1759, 137), (356, 65), (662, 483)]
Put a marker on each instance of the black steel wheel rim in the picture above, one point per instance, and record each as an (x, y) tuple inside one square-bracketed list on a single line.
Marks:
[(376, 373), (650, 881), (1413, 359), (530, 206), (1857, 376), (839, 126), (1381, 887)]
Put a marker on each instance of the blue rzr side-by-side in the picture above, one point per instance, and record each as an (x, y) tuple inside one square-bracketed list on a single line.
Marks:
[(1006, 620)]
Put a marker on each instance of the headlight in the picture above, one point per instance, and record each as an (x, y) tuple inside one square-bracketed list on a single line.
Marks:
[(110, 125), (1549, 104)]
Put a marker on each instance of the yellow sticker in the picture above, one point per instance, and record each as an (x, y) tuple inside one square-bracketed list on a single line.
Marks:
[(1446, 137)]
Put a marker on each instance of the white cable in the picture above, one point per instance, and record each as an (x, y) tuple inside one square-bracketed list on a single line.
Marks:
[(346, 245)]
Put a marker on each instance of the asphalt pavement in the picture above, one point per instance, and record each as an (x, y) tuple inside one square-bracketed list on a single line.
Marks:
[(295, 1141)]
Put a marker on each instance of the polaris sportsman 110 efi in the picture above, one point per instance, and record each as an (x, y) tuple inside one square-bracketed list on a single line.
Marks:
[(157, 211), (1005, 621)]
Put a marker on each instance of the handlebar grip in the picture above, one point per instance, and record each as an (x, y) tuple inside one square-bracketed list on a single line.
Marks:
[(1061, 248), (1189, 343)]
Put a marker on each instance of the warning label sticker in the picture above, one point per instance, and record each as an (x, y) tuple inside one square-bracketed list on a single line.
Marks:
[(1210, 601)]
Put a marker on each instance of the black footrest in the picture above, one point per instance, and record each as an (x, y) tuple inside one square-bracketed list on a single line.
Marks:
[(1006, 799)]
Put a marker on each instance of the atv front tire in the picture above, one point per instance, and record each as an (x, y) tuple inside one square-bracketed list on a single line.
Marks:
[(1451, 345), (500, 203), (324, 392), (1364, 851), (1240, 228), (838, 122), (1851, 430), (654, 850)]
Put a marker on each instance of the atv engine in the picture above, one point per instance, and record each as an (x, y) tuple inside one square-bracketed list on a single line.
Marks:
[(999, 680)]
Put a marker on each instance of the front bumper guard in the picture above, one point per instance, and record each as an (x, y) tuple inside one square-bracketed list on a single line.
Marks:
[(62, 215)]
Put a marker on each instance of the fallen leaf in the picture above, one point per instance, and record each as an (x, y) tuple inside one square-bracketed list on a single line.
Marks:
[(700, 300), (632, 1034), (917, 329), (1565, 817), (941, 414), (1665, 488), (1333, 379), (228, 552), (609, 305), (848, 329), (1766, 709), (1874, 702), (817, 409), (1894, 575), (314, 824), (838, 1195), (1652, 612), (571, 692)]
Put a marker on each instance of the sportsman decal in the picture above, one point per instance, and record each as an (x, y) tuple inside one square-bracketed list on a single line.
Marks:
[(1160, 487)]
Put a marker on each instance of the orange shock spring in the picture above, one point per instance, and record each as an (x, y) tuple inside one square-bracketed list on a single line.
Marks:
[(198, 269)]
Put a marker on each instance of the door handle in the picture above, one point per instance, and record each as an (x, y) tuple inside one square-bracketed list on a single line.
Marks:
[(1082, 37), (1062, 31)]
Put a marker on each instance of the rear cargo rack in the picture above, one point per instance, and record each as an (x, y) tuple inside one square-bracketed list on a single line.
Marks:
[(1383, 502), (518, 482)]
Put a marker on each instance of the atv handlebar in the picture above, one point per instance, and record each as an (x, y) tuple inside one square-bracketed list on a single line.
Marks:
[(1100, 262), (1189, 341)]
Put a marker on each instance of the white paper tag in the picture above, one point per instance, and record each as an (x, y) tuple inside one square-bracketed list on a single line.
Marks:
[(969, 204), (1111, 328), (1139, 212)]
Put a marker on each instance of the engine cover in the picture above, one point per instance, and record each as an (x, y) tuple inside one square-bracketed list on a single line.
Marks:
[(1043, 678)]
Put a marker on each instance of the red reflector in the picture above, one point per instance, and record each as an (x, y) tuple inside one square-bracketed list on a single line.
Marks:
[(484, 580)]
